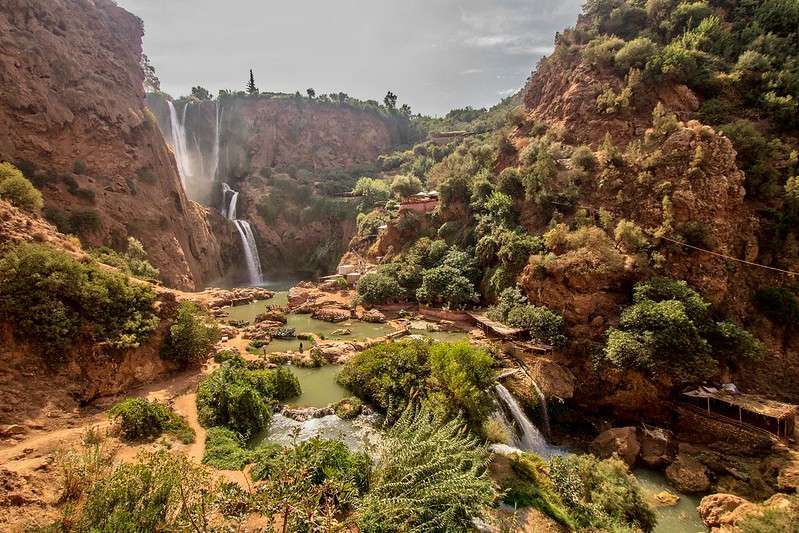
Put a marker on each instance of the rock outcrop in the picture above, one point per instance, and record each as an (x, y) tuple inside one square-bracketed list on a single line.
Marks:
[(74, 120), (617, 441), (688, 474)]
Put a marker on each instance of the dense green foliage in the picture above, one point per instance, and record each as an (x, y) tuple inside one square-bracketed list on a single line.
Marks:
[(447, 378), (377, 288), (15, 188), (191, 337), (601, 494), (532, 487), (140, 418), (513, 309), (57, 302), (779, 304), (242, 399), (430, 476), (225, 450), (133, 262), (669, 329)]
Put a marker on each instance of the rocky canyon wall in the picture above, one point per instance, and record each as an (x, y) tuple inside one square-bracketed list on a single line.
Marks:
[(74, 120)]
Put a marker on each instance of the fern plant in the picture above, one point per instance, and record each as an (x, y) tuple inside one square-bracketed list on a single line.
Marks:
[(431, 476)]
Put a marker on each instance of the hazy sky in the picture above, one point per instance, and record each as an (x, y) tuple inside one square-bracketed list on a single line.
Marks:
[(434, 54)]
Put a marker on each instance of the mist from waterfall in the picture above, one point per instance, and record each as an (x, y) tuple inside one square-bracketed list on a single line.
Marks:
[(197, 157), (179, 146), (252, 259), (529, 438)]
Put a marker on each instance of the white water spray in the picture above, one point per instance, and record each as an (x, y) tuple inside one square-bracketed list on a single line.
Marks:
[(230, 199), (179, 145), (530, 438), (544, 408)]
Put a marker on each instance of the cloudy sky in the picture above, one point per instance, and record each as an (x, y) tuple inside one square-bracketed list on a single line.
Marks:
[(434, 54)]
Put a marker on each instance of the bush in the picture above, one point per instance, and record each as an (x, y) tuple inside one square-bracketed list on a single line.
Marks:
[(191, 338), (241, 399), (133, 262), (779, 304), (159, 492), (429, 474), (446, 285), (224, 450), (314, 483), (601, 494), (373, 193), (542, 323), (57, 302), (15, 188), (583, 158), (139, 418), (387, 374), (635, 53), (532, 487), (377, 288), (404, 186), (467, 374)]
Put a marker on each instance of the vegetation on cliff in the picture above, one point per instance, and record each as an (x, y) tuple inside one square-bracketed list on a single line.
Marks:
[(57, 302), (139, 418)]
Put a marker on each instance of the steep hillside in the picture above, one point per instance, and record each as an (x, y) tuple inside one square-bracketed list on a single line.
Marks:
[(72, 109)]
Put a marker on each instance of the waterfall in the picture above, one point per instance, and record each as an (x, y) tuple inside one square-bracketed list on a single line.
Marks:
[(230, 199), (544, 409), (179, 145), (215, 152), (250, 251), (530, 438)]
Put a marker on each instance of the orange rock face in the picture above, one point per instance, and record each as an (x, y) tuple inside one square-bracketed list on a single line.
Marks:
[(73, 116)]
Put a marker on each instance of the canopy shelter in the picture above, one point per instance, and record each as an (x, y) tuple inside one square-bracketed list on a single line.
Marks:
[(749, 409)]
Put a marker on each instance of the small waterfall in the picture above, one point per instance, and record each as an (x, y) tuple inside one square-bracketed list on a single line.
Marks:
[(179, 145), (544, 409), (215, 151), (230, 199), (530, 438)]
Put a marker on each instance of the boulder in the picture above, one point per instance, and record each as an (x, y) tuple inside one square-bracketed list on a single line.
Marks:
[(714, 509), (553, 379), (374, 316), (688, 475), (332, 314), (656, 446), (273, 315), (666, 498), (620, 441)]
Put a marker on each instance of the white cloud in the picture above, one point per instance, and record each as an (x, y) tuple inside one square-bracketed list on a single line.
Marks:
[(471, 71)]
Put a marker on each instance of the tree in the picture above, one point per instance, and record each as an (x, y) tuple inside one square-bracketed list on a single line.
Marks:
[(390, 101), (16, 188), (151, 81), (311, 93), (201, 93), (251, 88), (190, 337), (404, 186), (405, 109)]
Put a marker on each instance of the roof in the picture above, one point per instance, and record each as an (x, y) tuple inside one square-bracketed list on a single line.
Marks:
[(749, 402), (496, 327)]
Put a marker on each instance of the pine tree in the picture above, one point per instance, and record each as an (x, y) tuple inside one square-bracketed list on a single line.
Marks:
[(251, 88)]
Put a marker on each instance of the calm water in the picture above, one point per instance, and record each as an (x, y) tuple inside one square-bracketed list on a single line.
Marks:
[(680, 518), (319, 386)]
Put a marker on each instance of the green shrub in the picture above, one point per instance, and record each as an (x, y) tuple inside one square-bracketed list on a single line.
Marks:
[(583, 158), (312, 485), (635, 53), (542, 323), (241, 399), (386, 375), (139, 418), (404, 186), (373, 193), (779, 304), (377, 288), (348, 408), (532, 487), (601, 494), (15, 188), (467, 376), (429, 475), (224, 450), (159, 492), (446, 285), (133, 262), (56, 302), (86, 221), (772, 519), (192, 337)]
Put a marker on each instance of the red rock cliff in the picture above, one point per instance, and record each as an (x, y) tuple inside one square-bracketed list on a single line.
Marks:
[(73, 117)]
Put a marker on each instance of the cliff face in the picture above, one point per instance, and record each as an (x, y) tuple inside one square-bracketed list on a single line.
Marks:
[(73, 115), (284, 155)]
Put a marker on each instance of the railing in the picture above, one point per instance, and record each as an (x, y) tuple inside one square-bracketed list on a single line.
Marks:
[(727, 420)]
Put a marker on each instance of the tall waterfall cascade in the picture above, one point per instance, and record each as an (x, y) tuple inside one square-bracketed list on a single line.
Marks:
[(196, 165), (252, 259), (529, 438)]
